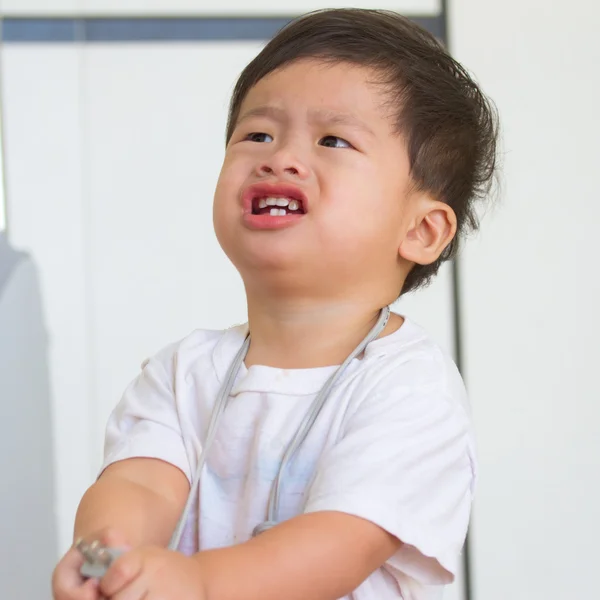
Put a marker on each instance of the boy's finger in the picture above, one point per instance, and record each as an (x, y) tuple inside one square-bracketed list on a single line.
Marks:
[(66, 576), (88, 591), (121, 573)]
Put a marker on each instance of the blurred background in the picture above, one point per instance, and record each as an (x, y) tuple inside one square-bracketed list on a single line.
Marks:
[(112, 129)]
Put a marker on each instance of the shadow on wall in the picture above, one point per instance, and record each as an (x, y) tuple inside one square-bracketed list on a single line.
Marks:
[(27, 517)]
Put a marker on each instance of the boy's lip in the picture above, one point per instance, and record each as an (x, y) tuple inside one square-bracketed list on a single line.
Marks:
[(273, 190)]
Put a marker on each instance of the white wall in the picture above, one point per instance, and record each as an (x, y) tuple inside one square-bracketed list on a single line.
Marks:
[(109, 186), (27, 468), (41, 110), (204, 7), (2, 199), (532, 292)]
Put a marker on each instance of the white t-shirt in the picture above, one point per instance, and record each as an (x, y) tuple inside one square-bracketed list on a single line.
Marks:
[(393, 444)]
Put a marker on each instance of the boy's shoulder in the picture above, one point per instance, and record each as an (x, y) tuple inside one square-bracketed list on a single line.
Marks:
[(200, 347), (412, 347), (411, 361)]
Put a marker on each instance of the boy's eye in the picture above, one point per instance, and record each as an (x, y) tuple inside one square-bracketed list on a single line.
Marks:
[(332, 141), (258, 137)]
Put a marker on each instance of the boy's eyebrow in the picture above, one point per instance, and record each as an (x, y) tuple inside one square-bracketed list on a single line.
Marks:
[(332, 117), (277, 114), (322, 116)]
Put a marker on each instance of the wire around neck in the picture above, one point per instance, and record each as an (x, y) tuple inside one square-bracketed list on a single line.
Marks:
[(301, 434)]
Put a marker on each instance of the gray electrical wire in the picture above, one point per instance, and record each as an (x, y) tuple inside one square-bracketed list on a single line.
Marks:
[(298, 439), (220, 404), (311, 417)]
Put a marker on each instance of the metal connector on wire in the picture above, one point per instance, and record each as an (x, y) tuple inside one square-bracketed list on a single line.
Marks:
[(98, 558)]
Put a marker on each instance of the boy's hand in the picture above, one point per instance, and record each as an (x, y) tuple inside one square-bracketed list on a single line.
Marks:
[(67, 582), (152, 573)]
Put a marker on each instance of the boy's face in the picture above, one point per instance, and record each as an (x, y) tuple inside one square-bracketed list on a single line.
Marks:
[(318, 138)]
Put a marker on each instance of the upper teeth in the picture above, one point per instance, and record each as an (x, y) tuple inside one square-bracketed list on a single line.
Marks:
[(291, 204)]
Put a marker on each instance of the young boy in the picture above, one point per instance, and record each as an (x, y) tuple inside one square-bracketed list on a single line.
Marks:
[(355, 150)]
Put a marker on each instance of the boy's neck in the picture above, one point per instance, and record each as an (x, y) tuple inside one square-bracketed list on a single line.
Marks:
[(303, 335)]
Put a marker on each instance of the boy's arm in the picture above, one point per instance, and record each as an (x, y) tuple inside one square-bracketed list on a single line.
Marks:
[(316, 556), (140, 498)]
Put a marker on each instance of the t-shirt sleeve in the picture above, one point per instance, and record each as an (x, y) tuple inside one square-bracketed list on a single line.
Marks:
[(404, 462), (145, 423)]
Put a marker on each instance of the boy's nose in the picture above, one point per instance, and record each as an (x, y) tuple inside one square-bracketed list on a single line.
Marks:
[(283, 163)]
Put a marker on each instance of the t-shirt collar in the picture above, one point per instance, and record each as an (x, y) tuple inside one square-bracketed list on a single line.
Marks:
[(293, 382)]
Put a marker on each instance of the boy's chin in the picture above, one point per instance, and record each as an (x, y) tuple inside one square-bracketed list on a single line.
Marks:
[(265, 263)]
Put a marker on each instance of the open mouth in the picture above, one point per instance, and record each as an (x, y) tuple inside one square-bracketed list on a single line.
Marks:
[(277, 206)]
